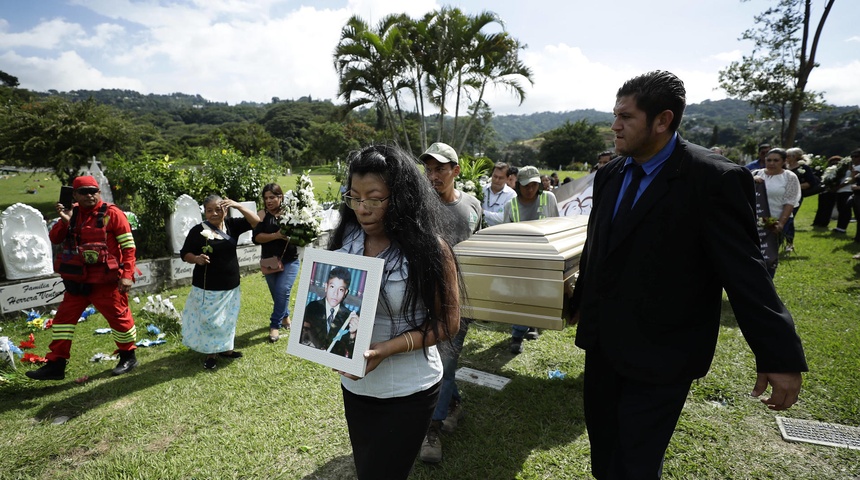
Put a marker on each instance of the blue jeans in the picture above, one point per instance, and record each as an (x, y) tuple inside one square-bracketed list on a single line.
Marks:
[(280, 286), (788, 230), (450, 355)]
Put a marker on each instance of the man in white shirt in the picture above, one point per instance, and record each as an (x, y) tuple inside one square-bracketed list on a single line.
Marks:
[(497, 194)]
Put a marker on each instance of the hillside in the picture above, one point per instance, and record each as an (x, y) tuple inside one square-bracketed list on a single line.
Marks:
[(720, 122)]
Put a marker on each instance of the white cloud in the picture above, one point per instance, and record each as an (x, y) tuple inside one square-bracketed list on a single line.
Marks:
[(838, 83), (68, 71), (253, 50), (855, 38), (727, 57), (46, 35), (105, 34)]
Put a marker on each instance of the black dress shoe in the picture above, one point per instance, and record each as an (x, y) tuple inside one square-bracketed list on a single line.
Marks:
[(127, 361), (53, 370)]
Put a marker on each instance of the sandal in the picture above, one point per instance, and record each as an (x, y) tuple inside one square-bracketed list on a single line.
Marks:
[(233, 354), (274, 335)]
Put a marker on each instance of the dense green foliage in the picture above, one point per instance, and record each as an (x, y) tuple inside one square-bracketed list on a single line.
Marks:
[(571, 143), (149, 186), (62, 135)]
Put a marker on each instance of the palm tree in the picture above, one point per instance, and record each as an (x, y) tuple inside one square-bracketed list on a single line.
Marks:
[(496, 63), (370, 67)]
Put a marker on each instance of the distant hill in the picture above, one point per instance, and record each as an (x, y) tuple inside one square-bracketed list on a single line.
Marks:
[(723, 122), (698, 117), (511, 128)]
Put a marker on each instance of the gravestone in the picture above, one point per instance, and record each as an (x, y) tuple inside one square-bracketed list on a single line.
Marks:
[(24, 244), (184, 216), (96, 171), (245, 238)]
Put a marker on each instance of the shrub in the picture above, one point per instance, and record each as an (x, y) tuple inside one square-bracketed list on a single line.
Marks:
[(148, 186), (230, 174)]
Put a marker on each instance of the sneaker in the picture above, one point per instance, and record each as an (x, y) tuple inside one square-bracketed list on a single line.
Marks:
[(516, 345), (53, 370), (209, 363), (127, 361), (789, 248), (455, 416), (431, 448), (532, 334)]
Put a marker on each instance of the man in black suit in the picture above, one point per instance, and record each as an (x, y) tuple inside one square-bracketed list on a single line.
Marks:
[(652, 273), (327, 320)]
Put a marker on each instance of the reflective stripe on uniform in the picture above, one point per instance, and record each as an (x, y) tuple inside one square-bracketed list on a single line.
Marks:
[(124, 337), (515, 210), (63, 331), (125, 240)]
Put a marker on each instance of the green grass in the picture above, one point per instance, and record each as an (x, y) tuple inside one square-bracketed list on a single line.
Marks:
[(271, 415), (14, 188)]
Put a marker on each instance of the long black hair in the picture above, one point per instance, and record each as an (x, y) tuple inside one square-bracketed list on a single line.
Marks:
[(415, 221)]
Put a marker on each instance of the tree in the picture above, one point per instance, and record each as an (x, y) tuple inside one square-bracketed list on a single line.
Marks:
[(369, 64), (572, 142), (774, 76), (62, 135), (445, 59), (8, 80), (247, 138)]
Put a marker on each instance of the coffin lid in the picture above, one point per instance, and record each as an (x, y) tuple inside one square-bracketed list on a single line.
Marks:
[(557, 238)]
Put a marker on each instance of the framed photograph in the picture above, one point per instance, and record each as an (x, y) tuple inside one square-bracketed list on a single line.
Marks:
[(335, 308)]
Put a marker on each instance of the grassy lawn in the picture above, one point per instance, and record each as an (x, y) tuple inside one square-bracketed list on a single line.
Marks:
[(271, 415)]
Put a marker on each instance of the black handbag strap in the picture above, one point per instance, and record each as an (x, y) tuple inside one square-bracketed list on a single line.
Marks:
[(223, 234)]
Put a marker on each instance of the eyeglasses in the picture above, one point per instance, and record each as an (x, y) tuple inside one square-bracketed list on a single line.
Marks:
[(88, 191), (369, 203)]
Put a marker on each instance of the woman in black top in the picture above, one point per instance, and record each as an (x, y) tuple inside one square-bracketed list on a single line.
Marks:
[(275, 244), (212, 308)]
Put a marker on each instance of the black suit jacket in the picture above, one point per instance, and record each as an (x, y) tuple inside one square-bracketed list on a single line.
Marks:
[(314, 328), (649, 295)]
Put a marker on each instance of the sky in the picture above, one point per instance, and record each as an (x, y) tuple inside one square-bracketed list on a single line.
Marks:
[(580, 51)]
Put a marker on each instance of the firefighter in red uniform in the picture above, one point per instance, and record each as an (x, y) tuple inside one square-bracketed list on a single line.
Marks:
[(96, 262)]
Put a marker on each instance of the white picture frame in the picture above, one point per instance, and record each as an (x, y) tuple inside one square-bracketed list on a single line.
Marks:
[(335, 347)]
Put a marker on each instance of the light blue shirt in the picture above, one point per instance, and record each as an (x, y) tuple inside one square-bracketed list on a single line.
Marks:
[(404, 373), (652, 167)]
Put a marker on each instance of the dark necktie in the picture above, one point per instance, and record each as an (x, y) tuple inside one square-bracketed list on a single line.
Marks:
[(630, 194), (330, 321)]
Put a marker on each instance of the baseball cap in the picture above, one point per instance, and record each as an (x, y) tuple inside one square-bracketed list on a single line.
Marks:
[(442, 152), (85, 181), (528, 174)]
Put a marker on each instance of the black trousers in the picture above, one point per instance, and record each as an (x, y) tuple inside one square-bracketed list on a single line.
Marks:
[(826, 202), (843, 206), (629, 422), (386, 433)]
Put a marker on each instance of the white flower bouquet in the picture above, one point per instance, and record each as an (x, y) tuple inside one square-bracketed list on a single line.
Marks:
[(301, 215)]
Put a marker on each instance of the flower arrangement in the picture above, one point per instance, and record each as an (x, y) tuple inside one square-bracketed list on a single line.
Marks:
[(834, 174), (301, 215), (469, 187), (471, 171)]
